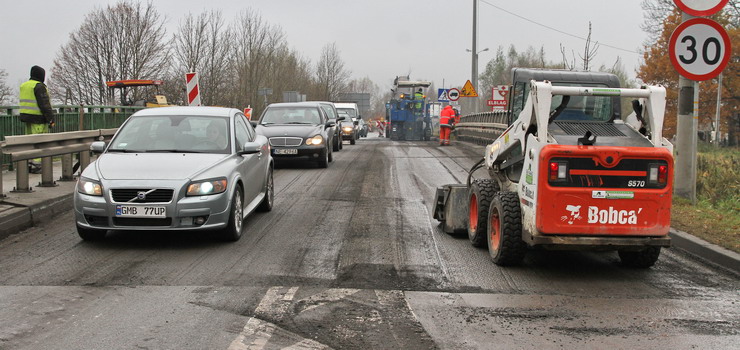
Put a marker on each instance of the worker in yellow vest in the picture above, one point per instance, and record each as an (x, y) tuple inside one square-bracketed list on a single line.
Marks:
[(35, 108)]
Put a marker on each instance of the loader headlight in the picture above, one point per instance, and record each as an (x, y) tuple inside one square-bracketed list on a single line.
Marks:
[(315, 141)]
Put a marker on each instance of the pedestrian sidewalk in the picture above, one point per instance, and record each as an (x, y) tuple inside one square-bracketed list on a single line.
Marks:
[(19, 210)]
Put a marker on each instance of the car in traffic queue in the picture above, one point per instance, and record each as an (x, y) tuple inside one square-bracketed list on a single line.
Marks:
[(351, 109), (332, 113), (299, 130), (349, 128), (176, 168), (364, 128)]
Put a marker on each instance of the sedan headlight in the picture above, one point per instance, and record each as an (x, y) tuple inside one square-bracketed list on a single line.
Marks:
[(204, 188), (89, 187), (347, 129), (315, 141)]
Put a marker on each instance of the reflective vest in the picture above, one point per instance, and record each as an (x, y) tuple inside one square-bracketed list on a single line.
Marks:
[(28, 102), (419, 97)]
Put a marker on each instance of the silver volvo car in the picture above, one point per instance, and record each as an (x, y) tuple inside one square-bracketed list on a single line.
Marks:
[(176, 168)]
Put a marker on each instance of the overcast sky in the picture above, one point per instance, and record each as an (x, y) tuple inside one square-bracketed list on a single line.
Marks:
[(377, 38)]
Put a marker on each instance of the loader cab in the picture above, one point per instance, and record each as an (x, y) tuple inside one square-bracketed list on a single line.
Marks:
[(579, 108)]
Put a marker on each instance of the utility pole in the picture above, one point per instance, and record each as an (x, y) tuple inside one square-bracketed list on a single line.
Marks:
[(688, 118), (474, 51)]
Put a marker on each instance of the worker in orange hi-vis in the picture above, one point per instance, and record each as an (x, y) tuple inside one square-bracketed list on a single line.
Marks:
[(446, 120)]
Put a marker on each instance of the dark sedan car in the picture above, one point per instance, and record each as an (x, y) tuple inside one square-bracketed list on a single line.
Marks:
[(298, 130)]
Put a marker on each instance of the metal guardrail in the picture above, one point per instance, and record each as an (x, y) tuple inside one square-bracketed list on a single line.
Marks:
[(67, 118), (23, 148), (482, 128)]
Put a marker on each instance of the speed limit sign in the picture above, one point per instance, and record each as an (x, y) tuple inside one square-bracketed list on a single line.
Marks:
[(699, 49), (700, 8)]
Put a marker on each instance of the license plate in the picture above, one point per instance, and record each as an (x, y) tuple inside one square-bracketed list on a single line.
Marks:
[(286, 151), (141, 211)]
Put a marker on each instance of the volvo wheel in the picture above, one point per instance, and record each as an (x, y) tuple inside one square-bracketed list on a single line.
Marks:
[(233, 230), (269, 199)]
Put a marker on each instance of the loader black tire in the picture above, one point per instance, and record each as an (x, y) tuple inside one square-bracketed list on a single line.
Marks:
[(641, 259), (505, 244), (480, 194)]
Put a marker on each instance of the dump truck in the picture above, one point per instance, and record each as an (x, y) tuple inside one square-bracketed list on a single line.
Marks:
[(569, 173)]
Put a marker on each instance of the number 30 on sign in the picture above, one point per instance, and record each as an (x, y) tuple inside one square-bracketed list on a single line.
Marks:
[(699, 49)]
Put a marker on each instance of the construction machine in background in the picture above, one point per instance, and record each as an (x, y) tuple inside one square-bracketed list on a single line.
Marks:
[(150, 97), (408, 118), (569, 173)]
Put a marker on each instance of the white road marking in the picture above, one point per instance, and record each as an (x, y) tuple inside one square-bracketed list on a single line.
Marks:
[(273, 302), (388, 297), (290, 294), (327, 296), (307, 344)]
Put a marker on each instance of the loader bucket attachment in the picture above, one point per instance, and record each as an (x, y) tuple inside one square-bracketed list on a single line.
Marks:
[(451, 208)]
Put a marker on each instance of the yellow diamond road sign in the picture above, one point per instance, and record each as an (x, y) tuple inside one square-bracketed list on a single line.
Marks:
[(468, 90)]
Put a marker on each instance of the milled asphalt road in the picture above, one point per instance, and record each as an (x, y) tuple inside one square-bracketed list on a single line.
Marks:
[(349, 258)]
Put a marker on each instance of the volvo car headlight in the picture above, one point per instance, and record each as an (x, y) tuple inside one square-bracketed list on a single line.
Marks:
[(315, 141), (204, 188), (89, 187)]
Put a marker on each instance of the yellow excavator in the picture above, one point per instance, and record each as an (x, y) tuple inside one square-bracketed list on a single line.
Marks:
[(155, 100)]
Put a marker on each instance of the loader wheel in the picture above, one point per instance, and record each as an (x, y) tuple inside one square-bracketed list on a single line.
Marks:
[(505, 243), (640, 259), (479, 198)]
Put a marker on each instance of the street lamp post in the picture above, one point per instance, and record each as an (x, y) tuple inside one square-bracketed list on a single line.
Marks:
[(474, 50), (474, 78)]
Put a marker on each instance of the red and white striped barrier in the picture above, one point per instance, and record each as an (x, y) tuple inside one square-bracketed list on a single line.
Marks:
[(191, 82)]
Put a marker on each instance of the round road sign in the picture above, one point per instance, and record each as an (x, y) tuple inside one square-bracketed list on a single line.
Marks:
[(454, 94), (701, 8), (699, 49)]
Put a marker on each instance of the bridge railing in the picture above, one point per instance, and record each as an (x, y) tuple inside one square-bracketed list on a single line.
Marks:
[(23, 148), (67, 118), (482, 128), (76, 127)]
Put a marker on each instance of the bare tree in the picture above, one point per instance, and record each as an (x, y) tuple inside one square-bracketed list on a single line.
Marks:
[(291, 72), (201, 45), (331, 77), (6, 92), (121, 41), (589, 50), (256, 44)]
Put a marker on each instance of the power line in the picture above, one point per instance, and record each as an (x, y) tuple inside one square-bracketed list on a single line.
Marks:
[(554, 29)]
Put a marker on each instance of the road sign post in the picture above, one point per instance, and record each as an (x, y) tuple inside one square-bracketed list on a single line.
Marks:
[(699, 49)]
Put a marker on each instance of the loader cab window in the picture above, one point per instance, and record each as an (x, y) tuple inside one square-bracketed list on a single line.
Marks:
[(584, 108), (518, 99)]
